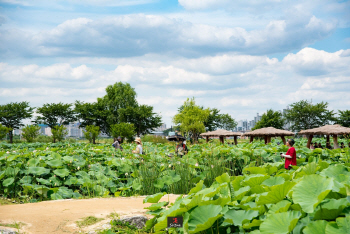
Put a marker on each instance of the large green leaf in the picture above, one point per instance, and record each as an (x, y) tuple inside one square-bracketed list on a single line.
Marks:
[(254, 180), (317, 227), (61, 172), (280, 223), (239, 194), (310, 191), (334, 171), (277, 193), (254, 170), (43, 181), (173, 211), (55, 163), (342, 226), (331, 209), (223, 178), (280, 207), (203, 217), (274, 181), (153, 198), (157, 206), (8, 181), (239, 217), (33, 162), (197, 188), (38, 170)]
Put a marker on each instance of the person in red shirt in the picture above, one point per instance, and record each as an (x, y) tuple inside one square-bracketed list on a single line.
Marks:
[(290, 156)]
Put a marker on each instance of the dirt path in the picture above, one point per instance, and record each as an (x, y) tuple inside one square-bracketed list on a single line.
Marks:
[(60, 216)]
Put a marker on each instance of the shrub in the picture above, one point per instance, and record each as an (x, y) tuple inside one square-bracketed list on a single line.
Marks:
[(58, 133), (30, 132)]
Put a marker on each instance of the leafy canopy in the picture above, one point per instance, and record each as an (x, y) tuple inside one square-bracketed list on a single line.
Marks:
[(124, 130), (3, 131), (270, 119), (55, 114), (91, 132), (30, 132), (344, 118)]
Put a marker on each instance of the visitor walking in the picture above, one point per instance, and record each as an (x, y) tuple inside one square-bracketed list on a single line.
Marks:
[(290, 156), (138, 149), (117, 144)]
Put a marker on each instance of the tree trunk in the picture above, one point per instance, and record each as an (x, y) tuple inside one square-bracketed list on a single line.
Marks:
[(335, 142), (235, 137), (11, 136), (283, 139), (309, 141), (94, 140), (54, 139)]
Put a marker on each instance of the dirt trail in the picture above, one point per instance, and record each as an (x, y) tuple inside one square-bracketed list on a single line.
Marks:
[(60, 216)]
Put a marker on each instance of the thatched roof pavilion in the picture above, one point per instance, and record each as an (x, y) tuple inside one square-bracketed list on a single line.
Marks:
[(267, 133), (327, 130), (221, 133)]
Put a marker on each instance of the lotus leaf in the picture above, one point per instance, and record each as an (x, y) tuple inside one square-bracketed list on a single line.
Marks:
[(334, 171), (157, 206), (153, 198), (203, 217), (280, 223), (254, 180), (274, 181), (43, 181), (197, 188), (8, 181), (280, 207), (341, 226), (61, 172), (239, 217), (38, 171), (331, 209), (317, 227), (277, 193), (223, 178)]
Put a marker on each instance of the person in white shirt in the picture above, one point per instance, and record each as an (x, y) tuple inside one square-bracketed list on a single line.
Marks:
[(138, 149), (117, 143)]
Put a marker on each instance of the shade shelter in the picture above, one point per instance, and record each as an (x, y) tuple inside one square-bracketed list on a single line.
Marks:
[(327, 130), (222, 134), (269, 132)]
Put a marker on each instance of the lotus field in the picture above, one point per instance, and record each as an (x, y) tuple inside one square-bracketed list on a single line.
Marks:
[(227, 189)]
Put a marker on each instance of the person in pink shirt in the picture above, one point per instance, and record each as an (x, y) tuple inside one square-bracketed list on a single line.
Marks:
[(290, 156)]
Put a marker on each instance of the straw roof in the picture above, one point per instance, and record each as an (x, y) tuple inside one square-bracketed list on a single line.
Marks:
[(220, 132), (335, 129), (269, 131)]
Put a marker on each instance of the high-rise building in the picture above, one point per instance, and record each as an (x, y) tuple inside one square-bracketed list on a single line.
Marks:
[(74, 130)]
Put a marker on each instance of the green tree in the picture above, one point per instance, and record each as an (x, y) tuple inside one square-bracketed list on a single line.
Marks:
[(305, 115), (212, 122), (124, 130), (58, 133), (92, 114), (12, 114), (344, 118), (55, 114), (3, 131), (30, 132), (191, 119), (91, 132), (143, 118), (226, 122), (270, 119)]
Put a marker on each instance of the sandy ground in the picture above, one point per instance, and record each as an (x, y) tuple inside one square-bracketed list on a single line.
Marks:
[(60, 216)]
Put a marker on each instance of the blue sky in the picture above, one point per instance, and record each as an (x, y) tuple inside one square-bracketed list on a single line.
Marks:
[(241, 57)]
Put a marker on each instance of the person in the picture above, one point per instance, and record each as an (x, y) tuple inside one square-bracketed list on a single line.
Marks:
[(290, 156), (138, 149), (117, 143), (312, 146), (342, 146), (320, 146), (181, 148), (328, 146)]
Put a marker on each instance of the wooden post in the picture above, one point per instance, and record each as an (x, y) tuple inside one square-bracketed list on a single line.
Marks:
[(283, 139), (335, 141), (265, 140), (207, 138), (251, 139), (309, 141), (327, 137), (221, 138), (235, 137), (268, 139)]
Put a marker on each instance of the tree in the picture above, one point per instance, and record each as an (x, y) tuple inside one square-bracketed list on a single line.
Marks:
[(30, 132), (305, 115), (212, 122), (56, 114), (58, 133), (124, 130), (143, 118), (3, 131), (92, 114), (91, 132), (344, 118), (12, 114), (191, 119), (225, 121), (270, 119), (119, 96)]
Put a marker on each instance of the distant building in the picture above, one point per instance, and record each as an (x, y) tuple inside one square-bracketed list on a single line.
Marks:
[(48, 131), (161, 128), (74, 130)]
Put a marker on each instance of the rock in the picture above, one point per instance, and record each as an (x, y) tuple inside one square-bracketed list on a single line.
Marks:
[(138, 221), (6, 231)]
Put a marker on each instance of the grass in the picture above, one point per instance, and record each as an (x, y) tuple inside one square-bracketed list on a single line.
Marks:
[(87, 221), (16, 225), (5, 202)]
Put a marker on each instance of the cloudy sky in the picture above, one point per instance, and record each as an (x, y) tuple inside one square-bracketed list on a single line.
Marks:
[(240, 56)]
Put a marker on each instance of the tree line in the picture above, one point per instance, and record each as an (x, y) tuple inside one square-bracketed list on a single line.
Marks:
[(116, 114)]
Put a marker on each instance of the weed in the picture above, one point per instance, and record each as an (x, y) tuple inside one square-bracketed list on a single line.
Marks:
[(87, 221)]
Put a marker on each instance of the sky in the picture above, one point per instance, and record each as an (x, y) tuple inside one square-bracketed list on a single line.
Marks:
[(242, 57)]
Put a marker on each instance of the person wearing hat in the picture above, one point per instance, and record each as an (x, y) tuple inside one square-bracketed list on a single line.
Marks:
[(290, 156), (138, 149), (117, 143), (181, 148)]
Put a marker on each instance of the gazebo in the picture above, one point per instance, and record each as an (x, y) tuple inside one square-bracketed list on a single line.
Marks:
[(221, 133), (327, 130), (267, 133)]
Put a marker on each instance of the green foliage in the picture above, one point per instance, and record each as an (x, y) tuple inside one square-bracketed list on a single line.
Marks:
[(305, 115), (87, 221), (58, 133), (12, 114), (30, 132), (226, 122), (270, 119), (91, 132), (344, 118), (124, 130), (3, 131), (191, 118), (55, 114)]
